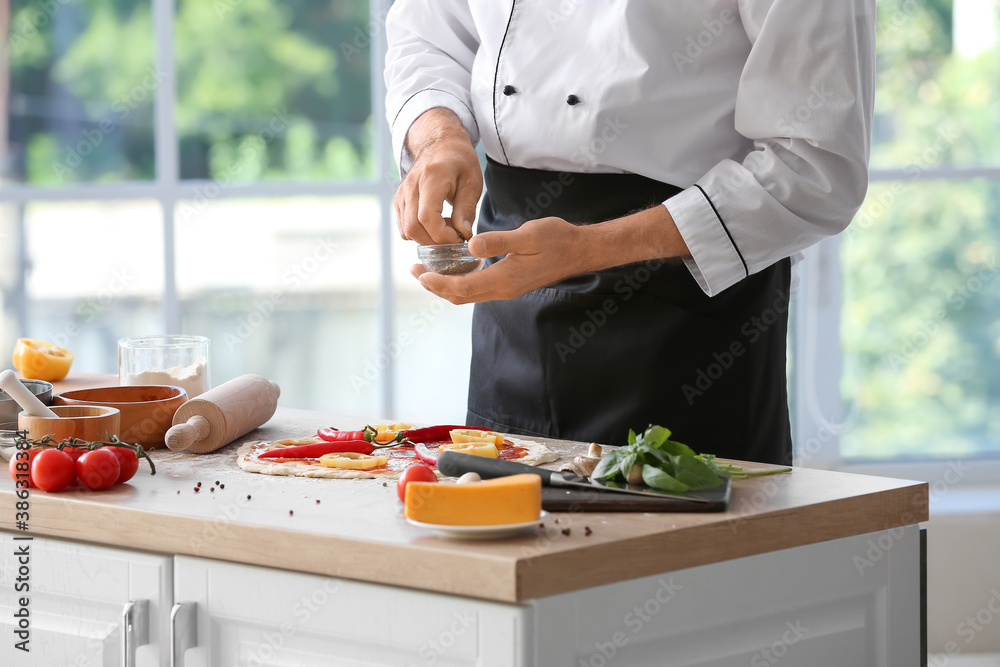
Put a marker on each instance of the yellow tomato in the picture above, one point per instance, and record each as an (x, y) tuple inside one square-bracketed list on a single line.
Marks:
[(487, 449), (472, 435), (38, 360)]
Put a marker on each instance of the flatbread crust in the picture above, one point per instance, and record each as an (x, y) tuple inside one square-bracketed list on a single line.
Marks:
[(247, 457)]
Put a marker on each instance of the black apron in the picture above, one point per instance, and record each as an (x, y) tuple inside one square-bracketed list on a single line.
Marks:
[(594, 356)]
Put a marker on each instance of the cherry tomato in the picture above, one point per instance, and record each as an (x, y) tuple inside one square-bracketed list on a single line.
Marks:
[(128, 463), (52, 470), (18, 464), (74, 452), (98, 469), (417, 472)]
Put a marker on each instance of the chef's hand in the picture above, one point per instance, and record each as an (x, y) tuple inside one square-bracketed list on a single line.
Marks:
[(548, 250), (445, 168), (538, 253)]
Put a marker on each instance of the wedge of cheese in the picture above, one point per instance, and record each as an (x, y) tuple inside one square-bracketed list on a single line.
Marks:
[(492, 502)]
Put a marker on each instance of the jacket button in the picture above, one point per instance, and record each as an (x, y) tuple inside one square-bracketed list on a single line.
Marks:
[(573, 100), (509, 90)]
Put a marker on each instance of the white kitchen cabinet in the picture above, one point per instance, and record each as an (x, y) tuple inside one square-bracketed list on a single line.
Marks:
[(851, 601), (78, 598), (250, 616)]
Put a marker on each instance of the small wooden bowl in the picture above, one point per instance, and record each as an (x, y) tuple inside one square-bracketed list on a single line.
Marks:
[(147, 411), (89, 422)]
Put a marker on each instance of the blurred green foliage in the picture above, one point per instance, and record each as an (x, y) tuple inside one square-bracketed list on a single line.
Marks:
[(921, 314), (266, 89)]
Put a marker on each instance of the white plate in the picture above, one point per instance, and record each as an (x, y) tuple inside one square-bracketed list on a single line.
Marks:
[(480, 532)]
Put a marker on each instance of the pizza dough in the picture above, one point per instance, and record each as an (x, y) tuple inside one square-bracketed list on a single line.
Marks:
[(247, 457)]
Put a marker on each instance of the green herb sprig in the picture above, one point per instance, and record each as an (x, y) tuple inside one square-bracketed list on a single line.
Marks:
[(670, 465)]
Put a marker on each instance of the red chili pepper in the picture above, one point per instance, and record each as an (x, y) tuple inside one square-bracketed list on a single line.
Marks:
[(316, 450), (430, 433), (367, 434)]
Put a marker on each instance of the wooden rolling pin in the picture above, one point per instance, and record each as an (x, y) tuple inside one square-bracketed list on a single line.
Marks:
[(221, 415)]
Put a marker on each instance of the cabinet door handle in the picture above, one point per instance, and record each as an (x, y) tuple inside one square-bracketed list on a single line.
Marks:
[(135, 629), (183, 630)]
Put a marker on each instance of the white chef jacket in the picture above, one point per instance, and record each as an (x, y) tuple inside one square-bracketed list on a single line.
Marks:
[(760, 109)]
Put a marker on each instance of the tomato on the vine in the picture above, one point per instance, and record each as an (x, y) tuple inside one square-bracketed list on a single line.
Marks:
[(417, 472), (52, 470), (98, 469), (21, 464), (128, 463)]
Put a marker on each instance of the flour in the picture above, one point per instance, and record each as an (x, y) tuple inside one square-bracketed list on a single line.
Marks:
[(193, 379)]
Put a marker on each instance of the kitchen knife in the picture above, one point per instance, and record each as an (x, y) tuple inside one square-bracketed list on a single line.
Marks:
[(456, 464)]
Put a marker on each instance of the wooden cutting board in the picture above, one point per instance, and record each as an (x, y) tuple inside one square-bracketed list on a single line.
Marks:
[(562, 500)]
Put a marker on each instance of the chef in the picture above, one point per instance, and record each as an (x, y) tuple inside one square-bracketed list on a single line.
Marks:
[(653, 170)]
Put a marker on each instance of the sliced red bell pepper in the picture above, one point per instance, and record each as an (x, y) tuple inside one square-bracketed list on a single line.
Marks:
[(316, 450)]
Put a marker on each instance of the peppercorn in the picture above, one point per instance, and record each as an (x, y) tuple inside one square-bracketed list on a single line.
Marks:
[(199, 484), (212, 489), (565, 531), (222, 486), (587, 531), (290, 512), (248, 496)]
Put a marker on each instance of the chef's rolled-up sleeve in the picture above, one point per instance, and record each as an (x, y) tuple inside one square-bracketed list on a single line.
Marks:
[(428, 64), (805, 99)]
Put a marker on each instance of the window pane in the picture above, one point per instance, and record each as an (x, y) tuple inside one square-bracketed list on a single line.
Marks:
[(96, 275), (432, 346), (287, 289), (938, 100), (920, 329), (79, 108), (274, 90)]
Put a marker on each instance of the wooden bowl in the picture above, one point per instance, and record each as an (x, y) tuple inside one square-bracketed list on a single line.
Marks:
[(90, 422), (147, 411)]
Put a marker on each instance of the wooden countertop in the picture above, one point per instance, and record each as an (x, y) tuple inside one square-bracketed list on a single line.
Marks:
[(357, 531)]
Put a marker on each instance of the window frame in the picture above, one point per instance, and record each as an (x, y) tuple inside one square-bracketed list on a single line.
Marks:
[(819, 355)]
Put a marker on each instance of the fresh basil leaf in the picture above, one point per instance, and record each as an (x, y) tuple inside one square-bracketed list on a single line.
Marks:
[(655, 436), (610, 464), (695, 473), (628, 461), (675, 448), (658, 479), (631, 437)]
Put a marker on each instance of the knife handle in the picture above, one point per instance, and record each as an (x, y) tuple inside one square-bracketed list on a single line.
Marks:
[(456, 464)]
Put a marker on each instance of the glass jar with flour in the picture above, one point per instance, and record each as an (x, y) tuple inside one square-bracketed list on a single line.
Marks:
[(181, 361)]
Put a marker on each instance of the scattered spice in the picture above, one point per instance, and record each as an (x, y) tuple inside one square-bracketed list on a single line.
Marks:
[(248, 496), (290, 512), (317, 501), (212, 489), (384, 484), (222, 486), (565, 531), (199, 485), (178, 491), (196, 489), (587, 531), (541, 525), (216, 482)]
